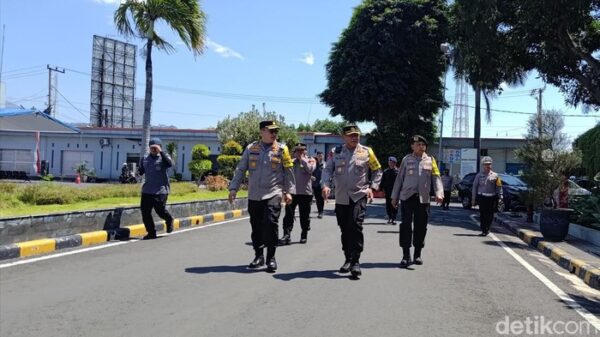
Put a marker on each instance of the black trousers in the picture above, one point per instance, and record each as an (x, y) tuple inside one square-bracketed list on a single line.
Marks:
[(158, 202), (318, 192), (303, 203), (350, 219), (392, 212), (413, 212), (446, 203), (264, 218), (487, 207)]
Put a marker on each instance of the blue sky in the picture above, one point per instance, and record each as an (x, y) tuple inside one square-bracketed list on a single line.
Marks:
[(268, 50)]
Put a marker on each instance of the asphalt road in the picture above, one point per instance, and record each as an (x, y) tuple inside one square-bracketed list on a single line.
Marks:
[(195, 283)]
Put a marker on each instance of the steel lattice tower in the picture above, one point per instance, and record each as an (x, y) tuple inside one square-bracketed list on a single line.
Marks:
[(460, 120)]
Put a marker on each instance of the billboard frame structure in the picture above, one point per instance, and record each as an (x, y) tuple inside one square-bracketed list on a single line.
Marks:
[(112, 91)]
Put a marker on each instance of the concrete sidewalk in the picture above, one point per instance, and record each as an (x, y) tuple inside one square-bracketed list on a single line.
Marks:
[(579, 257)]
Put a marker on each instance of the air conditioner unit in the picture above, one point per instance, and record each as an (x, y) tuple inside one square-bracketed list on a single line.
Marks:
[(104, 142)]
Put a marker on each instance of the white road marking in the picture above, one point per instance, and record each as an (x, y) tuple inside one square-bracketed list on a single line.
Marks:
[(106, 245), (568, 300)]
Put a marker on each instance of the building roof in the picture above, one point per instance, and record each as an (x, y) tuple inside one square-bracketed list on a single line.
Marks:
[(31, 120)]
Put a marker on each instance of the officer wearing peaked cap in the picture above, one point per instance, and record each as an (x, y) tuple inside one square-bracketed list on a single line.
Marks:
[(487, 189), (303, 169), (349, 165), (270, 178), (417, 173), (387, 185)]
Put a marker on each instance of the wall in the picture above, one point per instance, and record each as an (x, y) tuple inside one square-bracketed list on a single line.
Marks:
[(56, 225)]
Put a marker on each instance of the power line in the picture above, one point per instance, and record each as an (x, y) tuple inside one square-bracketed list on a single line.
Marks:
[(74, 107), (529, 113)]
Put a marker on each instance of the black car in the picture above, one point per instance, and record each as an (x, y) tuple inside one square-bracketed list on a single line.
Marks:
[(512, 187)]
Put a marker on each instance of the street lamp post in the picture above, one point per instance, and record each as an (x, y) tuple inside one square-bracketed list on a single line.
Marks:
[(445, 48)]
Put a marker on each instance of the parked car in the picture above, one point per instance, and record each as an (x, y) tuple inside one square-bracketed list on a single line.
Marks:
[(576, 190), (512, 187)]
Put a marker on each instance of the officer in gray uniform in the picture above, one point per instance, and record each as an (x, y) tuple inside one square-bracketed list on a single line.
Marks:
[(487, 189), (270, 178), (303, 169), (417, 174), (349, 165), (448, 183)]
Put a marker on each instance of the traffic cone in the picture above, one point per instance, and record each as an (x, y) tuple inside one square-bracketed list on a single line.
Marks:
[(77, 179)]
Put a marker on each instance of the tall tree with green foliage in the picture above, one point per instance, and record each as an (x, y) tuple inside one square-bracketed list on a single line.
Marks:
[(546, 156), (244, 129), (322, 125), (140, 18), (387, 67), (483, 53), (562, 39), (589, 145)]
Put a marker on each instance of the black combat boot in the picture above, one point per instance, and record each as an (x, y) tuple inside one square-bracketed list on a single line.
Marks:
[(259, 259), (345, 268), (271, 262), (405, 262), (303, 236), (418, 260), (285, 239)]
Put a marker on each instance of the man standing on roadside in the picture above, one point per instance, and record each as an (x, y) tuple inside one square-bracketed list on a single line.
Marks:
[(387, 185), (156, 187), (270, 178), (448, 183), (417, 174), (303, 169), (349, 165), (316, 184)]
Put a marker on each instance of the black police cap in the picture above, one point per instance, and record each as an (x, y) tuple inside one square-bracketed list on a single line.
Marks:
[(300, 146), (418, 138), (350, 129), (269, 125)]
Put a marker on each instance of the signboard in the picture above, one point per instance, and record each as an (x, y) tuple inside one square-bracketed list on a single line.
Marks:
[(468, 161), (452, 156)]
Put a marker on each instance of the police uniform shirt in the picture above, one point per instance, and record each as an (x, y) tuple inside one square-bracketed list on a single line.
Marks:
[(416, 176), (349, 169), (303, 170), (486, 184), (269, 169)]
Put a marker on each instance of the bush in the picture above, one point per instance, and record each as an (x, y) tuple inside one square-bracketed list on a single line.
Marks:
[(200, 151), (47, 194), (200, 167), (8, 188), (216, 183), (227, 164), (232, 148)]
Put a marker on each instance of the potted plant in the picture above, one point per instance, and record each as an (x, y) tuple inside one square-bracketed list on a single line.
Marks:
[(82, 170), (547, 160)]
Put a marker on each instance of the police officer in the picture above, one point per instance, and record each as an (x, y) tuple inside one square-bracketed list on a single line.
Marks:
[(487, 189), (349, 165), (387, 185), (316, 184), (270, 177), (303, 169), (156, 187), (448, 183), (417, 174)]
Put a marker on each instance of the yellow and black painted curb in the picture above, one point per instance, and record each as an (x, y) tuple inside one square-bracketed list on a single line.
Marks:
[(42, 246), (588, 273)]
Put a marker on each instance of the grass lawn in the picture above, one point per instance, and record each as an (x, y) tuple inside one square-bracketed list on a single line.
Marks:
[(16, 208)]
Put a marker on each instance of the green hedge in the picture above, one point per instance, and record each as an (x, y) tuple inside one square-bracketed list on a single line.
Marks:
[(589, 145)]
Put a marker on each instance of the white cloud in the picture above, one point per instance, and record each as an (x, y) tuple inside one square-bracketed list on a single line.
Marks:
[(308, 58), (224, 51)]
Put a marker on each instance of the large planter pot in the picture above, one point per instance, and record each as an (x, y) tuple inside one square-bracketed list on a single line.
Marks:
[(554, 223)]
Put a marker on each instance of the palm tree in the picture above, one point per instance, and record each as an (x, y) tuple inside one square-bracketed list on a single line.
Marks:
[(183, 16)]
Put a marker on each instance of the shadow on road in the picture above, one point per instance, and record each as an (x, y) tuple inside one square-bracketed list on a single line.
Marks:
[(242, 269), (388, 232), (310, 274)]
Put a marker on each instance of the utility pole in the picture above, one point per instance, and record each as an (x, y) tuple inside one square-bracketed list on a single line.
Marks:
[(444, 48), (539, 108), (50, 70)]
